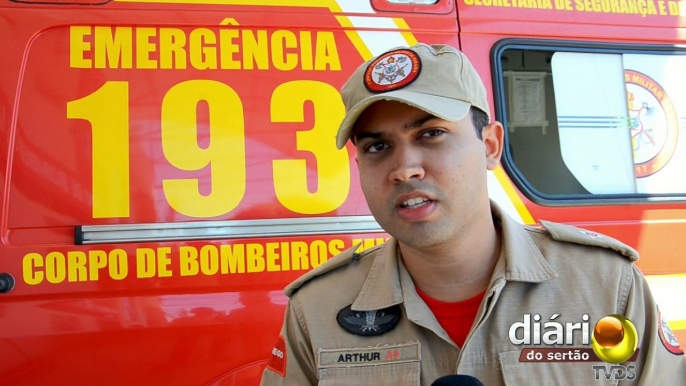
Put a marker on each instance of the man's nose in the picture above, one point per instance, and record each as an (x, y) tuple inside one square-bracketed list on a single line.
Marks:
[(407, 164)]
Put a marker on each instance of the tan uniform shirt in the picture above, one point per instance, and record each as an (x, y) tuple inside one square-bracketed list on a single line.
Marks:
[(560, 270)]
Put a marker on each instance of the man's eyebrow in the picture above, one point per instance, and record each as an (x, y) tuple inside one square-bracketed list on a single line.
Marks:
[(409, 126), (372, 135), (420, 122)]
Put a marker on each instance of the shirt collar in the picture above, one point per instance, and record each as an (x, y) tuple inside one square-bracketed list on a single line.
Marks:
[(520, 260), (523, 260), (382, 287)]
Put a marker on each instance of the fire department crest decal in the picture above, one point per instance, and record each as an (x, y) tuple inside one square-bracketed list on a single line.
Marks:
[(667, 336), (392, 70), (368, 323), (653, 122)]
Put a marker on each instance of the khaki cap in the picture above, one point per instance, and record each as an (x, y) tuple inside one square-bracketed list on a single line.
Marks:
[(435, 78)]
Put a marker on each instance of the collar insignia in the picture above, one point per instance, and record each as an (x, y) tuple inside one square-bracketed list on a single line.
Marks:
[(369, 323), (591, 234)]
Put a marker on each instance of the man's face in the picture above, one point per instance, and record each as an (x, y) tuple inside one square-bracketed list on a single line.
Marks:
[(424, 178)]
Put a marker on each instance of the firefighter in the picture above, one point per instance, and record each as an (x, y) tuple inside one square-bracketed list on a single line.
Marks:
[(460, 288)]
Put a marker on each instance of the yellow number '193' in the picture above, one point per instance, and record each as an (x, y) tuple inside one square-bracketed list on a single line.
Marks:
[(107, 110), (225, 153), (333, 169)]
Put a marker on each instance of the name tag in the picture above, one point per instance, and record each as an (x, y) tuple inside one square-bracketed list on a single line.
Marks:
[(365, 356)]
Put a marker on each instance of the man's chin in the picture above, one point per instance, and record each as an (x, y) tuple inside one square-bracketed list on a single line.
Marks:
[(420, 240)]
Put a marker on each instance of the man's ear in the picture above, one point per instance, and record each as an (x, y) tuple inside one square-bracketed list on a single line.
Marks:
[(494, 140)]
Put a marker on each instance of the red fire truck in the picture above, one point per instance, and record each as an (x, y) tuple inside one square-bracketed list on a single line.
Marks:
[(168, 166)]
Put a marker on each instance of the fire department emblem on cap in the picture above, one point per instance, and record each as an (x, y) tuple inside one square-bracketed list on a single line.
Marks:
[(392, 70)]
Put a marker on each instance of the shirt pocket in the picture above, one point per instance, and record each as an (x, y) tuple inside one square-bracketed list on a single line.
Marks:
[(516, 373), (391, 365)]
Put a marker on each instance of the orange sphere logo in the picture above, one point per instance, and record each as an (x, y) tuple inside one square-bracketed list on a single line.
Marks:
[(614, 339)]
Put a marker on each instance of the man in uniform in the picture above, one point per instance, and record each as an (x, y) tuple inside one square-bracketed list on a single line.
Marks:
[(460, 287)]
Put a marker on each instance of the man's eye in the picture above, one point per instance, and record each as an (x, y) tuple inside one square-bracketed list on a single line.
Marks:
[(375, 147), (433, 133)]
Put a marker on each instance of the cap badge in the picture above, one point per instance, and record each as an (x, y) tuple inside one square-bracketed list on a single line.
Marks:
[(392, 70), (369, 323)]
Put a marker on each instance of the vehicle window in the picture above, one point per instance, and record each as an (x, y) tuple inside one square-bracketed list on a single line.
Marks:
[(584, 124)]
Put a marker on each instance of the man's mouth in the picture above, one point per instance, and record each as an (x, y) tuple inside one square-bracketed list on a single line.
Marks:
[(414, 203)]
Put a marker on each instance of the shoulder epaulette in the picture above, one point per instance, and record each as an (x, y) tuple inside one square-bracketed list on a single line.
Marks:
[(343, 258), (572, 234)]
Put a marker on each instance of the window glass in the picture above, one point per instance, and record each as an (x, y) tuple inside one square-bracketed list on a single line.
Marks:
[(596, 123), (594, 140)]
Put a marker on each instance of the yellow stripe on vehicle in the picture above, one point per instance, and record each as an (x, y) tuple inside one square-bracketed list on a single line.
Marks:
[(511, 192), (667, 291), (409, 37), (355, 38), (340, 6), (677, 325), (330, 4), (265, 3)]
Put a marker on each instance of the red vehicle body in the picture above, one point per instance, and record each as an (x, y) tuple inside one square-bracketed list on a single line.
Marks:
[(169, 166)]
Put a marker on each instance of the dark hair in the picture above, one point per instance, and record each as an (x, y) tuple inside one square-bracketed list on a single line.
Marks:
[(479, 120)]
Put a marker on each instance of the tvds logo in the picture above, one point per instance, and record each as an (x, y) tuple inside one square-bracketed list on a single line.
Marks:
[(614, 341)]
